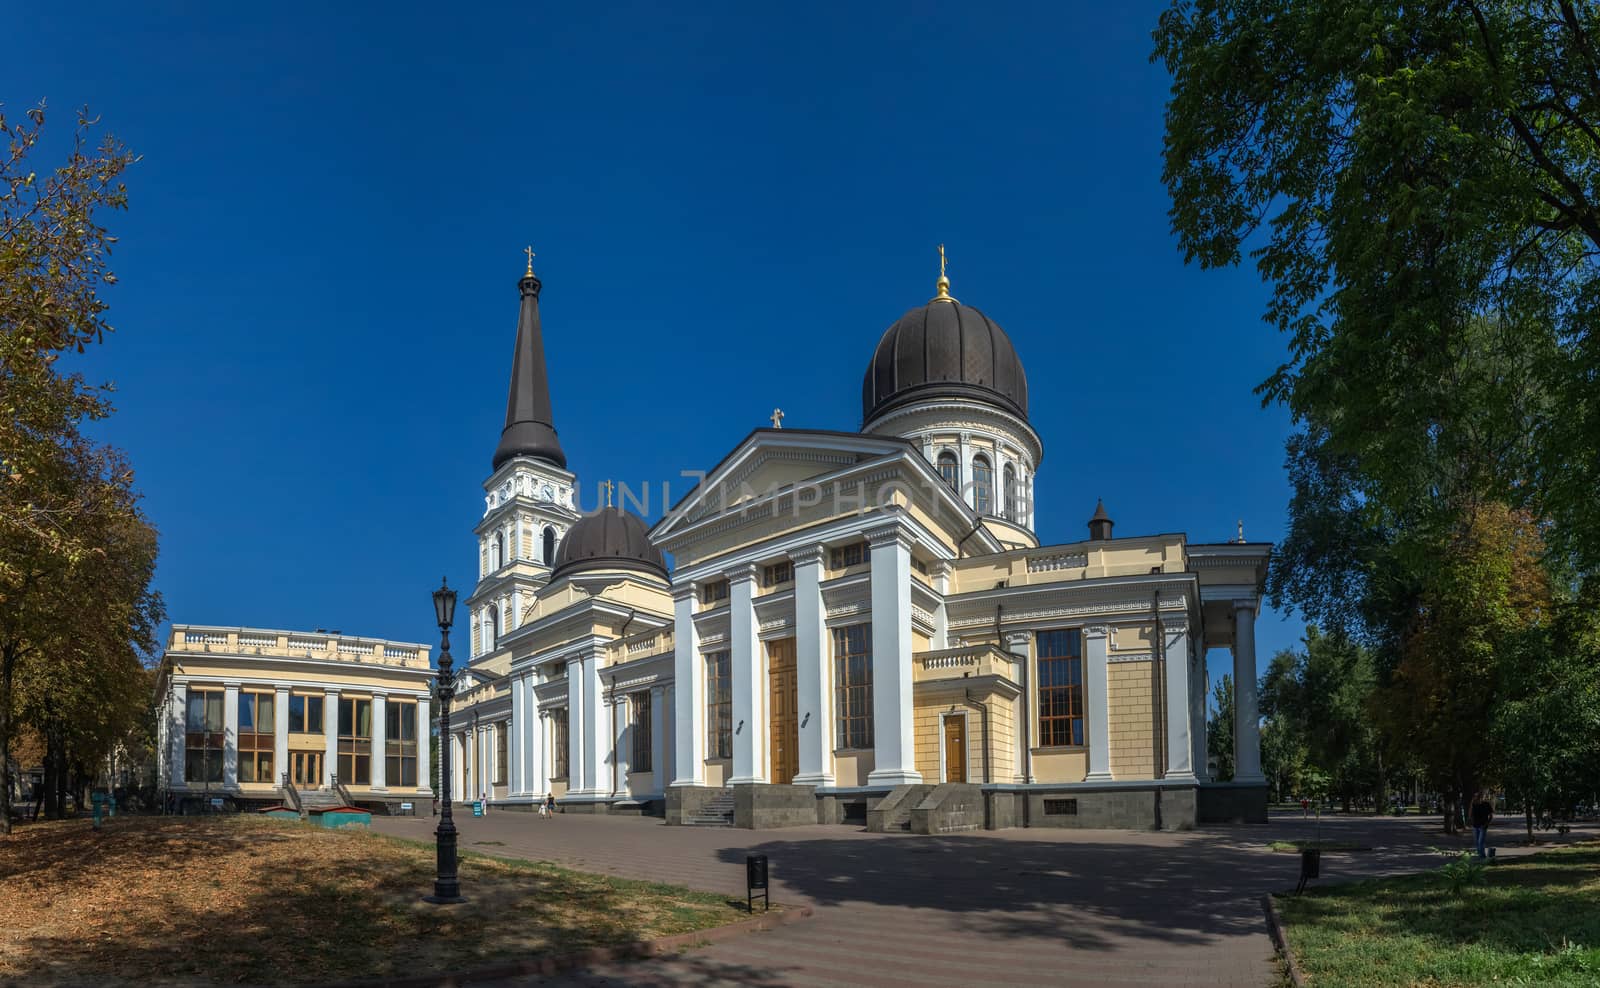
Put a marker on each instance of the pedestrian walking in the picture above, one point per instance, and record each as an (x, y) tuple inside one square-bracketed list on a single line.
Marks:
[(1482, 813), (550, 805)]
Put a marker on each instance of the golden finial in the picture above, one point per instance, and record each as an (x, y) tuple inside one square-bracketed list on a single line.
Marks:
[(529, 251), (944, 281), (607, 488)]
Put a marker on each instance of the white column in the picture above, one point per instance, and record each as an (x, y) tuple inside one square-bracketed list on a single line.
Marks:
[(1097, 709), (813, 671), (1180, 764), (230, 735), (1020, 645), (1198, 703), (280, 734), (379, 773), (514, 784), (458, 762), (330, 735), (658, 734), (689, 685), (939, 571), (177, 734), (545, 750), (745, 668), (1246, 723), (621, 745), (424, 742), (587, 724), (894, 757)]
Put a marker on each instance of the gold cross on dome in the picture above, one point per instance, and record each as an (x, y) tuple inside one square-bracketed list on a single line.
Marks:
[(529, 251), (607, 488), (777, 418), (941, 260)]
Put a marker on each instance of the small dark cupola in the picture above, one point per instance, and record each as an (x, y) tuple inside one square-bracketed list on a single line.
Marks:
[(1100, 524), (530, 428)]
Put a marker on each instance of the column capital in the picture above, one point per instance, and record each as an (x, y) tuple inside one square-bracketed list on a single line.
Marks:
[(1097, 631), (1247, 604), (683, 591), (280, 689), (884, 534), (1018, 639), (808, 555), (743, 573), (331, 690)]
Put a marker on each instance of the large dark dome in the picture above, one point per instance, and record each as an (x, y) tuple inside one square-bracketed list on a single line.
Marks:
[(611, 538), (944, 349)]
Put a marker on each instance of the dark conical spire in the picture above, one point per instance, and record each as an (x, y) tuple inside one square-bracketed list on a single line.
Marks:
[(530, 429), (1100, 524)]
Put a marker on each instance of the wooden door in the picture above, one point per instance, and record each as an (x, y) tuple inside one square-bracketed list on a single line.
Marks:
[(782, 711), (307, 768), (955, 749)]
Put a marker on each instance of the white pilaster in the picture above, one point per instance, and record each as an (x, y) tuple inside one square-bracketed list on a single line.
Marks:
[(894, 758), (689, 684), (514, 740), (587, 721), (330, 735), (1020, 645), (177, 735), (622, 747), (745, 668), (658, 733), (1180, 764), (230, 735), (280, 734), (1097, 706), (424, 743), (379, 773), (813, 671), (544, 752), (1246, 723)]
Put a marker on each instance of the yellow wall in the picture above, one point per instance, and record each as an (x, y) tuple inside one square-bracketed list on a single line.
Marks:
[(1132, 720), (851, 768), (717, 771), (928, 726), (1060, 764)]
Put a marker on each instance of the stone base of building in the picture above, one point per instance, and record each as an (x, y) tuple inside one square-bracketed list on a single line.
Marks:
[(688, 801), (759, 806), (1135, 806), (1233, 802)]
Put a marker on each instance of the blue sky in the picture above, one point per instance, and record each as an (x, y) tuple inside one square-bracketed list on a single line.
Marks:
[(729, 203)]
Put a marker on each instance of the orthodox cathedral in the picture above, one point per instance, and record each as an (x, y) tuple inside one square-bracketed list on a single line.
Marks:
[(857, 626)]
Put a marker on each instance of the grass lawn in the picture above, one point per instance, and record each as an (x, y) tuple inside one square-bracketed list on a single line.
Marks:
[(247, 899), (1535, 921), (1296, 846)]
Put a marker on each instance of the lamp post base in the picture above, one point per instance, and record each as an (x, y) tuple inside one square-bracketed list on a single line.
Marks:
[(444, 900)]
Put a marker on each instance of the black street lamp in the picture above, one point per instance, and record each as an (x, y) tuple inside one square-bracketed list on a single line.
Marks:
[(446, 887)]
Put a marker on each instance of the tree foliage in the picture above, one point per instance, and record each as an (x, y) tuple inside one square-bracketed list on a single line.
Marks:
[(1318, 700), (1414, 182), (1219, 729), (77, 614)]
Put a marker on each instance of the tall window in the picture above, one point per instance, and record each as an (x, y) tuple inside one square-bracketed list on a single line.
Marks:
[(355, 741), (1010, 489), (499, 558), (549, 546), (852, 656), (639, 705), (400, 742), (501, 753), (845, 556), (305, 714), (950, 469), (558, 742), (203, 734), (1060, 688), (719, 705), (711, 593), (256, 724), (982, 485), (777, 574)]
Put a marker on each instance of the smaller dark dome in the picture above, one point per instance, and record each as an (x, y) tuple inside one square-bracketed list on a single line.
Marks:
[(611, 538)]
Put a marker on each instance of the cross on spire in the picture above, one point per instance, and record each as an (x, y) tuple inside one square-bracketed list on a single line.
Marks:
[(529, 251), (607, 488), (777, 418)]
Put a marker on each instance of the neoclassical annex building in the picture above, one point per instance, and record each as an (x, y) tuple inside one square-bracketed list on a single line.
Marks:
[(857, 625)]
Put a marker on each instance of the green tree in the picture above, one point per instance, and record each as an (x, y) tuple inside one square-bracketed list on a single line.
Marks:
[(61, 496), (1320, 701), (1219, 729), (1415, 182)]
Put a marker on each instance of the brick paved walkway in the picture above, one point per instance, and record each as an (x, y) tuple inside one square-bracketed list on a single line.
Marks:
[(1055, 907)]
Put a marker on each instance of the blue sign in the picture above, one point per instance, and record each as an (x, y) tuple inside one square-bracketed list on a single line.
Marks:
[(477, 807)]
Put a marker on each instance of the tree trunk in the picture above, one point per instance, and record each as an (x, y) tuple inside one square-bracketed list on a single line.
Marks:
[(1449, 801), (1527, 812), (8, 662)]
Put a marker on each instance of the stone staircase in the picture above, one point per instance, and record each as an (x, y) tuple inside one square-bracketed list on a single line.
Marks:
[(893, 814), (718, 812)]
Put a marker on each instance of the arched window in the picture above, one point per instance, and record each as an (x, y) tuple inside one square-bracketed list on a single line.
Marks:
[(549, 546), (982, 485), (1010, 489), (491, 627), (950, 469), (499, 550)]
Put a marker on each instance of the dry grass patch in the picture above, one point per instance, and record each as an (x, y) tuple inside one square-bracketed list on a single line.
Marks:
[(252, 900)]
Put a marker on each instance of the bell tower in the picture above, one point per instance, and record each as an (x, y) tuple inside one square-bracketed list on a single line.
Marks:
[(529, 498)]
